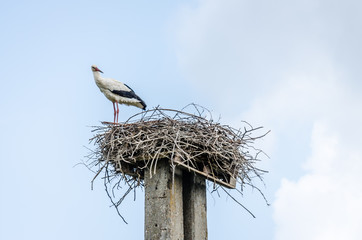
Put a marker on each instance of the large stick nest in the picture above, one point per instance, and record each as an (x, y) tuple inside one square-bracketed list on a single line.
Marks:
[(192, 141)]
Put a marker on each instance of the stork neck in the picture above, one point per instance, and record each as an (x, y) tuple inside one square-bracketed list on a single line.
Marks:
[(97, 75)]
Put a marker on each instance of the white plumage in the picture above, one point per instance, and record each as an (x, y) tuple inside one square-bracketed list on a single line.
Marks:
[(116, 92)]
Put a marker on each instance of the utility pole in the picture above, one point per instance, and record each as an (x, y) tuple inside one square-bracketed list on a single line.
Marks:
[(175, 204)]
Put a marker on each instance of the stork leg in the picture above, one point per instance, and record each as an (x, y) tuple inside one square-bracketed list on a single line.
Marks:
[(117, 111), (114, 113)]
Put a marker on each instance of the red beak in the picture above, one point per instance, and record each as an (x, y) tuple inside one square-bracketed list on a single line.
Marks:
[(99, 70)]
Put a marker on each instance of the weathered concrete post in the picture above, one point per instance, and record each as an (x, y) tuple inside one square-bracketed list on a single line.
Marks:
[(194, 206), (163, 203), (175, 206)]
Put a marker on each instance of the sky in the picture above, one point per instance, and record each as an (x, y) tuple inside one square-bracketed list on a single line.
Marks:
[(292, 67)]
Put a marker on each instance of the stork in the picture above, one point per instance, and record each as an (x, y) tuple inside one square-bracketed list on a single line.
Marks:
[(116, 92)]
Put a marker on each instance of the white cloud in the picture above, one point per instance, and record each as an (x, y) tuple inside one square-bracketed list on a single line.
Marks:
[(323, 203), (326, 202), (235, 50)]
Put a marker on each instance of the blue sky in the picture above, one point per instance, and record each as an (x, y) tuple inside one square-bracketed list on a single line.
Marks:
[(290, 66)]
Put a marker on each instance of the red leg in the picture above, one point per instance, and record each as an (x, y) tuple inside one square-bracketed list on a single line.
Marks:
[(114, 115), (117, 111)]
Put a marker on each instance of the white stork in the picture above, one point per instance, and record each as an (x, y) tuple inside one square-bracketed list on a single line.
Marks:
[(116, 92)]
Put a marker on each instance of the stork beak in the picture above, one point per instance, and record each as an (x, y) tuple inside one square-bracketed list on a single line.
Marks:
[(99, 70)]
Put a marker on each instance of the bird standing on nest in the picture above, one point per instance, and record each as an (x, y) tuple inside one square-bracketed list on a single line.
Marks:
[(117, 92)]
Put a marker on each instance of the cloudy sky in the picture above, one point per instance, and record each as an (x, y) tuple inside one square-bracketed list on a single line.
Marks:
[(293, 67)]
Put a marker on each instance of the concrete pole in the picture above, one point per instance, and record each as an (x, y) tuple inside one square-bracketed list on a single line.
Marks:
[(163, 203), (194, 206), (175, 206)]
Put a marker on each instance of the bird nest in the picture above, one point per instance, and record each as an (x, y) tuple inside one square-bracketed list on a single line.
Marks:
[(190, 141)]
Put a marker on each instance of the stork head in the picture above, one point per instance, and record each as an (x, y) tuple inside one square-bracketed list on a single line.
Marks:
[(95, 69)]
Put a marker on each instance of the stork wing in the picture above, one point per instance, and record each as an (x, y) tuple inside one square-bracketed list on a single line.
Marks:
[(126, 94), (129, 94)]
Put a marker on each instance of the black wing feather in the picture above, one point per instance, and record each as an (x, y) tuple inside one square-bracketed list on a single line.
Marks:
[(130, 94)]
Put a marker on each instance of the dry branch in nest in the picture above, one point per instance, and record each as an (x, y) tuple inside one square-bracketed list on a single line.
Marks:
[(192, 141)]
